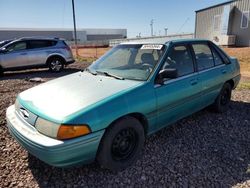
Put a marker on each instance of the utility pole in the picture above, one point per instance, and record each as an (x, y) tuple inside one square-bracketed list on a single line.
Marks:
[(74, 20), (152, 27)]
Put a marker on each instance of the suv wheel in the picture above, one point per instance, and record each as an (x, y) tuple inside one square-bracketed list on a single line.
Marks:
[(121, 145), (221, 103), (56, 64), (1, 71)]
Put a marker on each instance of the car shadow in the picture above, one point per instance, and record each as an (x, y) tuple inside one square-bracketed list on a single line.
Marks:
[(41, 73), (205, 149)]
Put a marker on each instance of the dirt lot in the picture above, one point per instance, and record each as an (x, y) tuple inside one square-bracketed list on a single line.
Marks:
[(203, 150), (243, 55)]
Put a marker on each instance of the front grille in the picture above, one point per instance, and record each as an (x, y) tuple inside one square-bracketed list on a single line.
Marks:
[(25, 114)]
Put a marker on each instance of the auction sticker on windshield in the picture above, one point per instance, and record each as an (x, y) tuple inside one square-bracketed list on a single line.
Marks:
[(151, 47)]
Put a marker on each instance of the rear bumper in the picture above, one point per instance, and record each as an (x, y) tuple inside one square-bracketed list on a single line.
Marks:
[(236, 80), (58, 153)]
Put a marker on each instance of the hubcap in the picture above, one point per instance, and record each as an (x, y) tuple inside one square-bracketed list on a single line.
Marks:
[(56, 65), (124, 144)]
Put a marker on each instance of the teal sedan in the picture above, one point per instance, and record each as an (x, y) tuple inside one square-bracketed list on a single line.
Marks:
[(105, 112)]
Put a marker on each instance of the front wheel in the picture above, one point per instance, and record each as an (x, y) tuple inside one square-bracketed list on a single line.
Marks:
[(222, 102), (56, 64), (122, 144)]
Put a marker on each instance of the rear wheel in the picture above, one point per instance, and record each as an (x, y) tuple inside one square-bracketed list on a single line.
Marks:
[(222, 102), (1, 71), (56, 64), (122, 144)]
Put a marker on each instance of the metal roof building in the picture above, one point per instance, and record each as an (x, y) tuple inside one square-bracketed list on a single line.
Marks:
[(83, 35), (225, 24)]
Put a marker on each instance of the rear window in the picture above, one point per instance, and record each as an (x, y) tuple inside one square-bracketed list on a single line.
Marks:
[(217, 59), (64, 43), (41, 43)]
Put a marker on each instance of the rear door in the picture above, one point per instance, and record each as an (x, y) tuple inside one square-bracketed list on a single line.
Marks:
[(178, 97), (212, 69), (15, 56), (38, 51)]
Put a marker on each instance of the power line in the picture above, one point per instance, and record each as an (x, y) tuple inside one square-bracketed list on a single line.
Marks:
[(183, 25)]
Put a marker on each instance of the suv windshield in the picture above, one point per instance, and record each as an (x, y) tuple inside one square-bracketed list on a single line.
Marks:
[(135, 62)]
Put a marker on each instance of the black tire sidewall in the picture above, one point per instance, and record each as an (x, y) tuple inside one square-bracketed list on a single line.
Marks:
[(104, 156), (1, 71), (53, 59), (218, 106)]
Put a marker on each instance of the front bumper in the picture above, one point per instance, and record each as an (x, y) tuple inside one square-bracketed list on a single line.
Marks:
[(236, 81), (54, 152)]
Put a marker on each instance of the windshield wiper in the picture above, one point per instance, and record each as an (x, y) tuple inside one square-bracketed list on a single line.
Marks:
[(88, 70), (110, 75)]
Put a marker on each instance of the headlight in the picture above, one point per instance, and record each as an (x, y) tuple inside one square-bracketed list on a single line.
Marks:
[(17, 105), (47, 127), (61, 132)]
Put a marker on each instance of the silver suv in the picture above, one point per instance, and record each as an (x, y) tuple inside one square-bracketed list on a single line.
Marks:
[(35, 52)]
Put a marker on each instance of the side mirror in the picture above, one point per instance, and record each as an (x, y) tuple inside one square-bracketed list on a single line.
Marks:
[(3, 50), (166, 73)]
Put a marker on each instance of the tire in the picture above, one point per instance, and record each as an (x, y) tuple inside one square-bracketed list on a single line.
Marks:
[(222, 102), (121, 144), (56, 64), (1, 71)]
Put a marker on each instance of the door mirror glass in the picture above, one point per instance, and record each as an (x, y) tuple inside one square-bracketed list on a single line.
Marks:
[(170, 73), (3, 50)]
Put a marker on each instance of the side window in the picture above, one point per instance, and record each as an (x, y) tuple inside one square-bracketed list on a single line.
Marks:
[(39, 44), (17, 46), (52, 43), (203, 55), (181, 59), (245, 19), (217, 20), (217, 58)]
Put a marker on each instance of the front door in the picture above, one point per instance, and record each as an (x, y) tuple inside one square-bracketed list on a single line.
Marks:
[(15, 56), (38, 51), (178, 97)]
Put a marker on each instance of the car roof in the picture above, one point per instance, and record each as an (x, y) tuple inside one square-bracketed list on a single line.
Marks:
[(37, 38), (170, 41), (188, 40), (31, 38)]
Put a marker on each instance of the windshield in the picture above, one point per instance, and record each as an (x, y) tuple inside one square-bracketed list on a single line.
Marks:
[(135, 62)]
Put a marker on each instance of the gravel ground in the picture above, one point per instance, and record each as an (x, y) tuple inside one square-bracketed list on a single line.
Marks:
[(202, 150)]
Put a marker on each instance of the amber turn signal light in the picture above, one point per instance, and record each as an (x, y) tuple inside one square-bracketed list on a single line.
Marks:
[(72, 131)]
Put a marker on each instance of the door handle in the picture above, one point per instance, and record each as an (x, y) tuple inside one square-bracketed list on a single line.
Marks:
[(223, 71), (193, 82)]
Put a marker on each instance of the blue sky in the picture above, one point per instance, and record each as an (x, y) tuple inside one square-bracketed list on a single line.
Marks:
[(133, 15)]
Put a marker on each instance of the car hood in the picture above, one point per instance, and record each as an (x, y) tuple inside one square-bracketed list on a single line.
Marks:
[(59, 98)]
